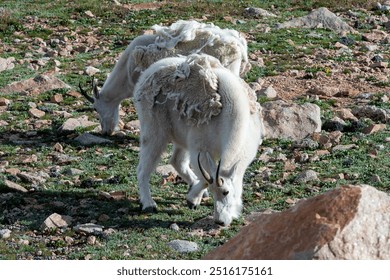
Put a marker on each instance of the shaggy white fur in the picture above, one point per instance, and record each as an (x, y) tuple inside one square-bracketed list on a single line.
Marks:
[(231, 134)]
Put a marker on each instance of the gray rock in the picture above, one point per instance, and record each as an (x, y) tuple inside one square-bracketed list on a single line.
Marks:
[(73, 171), (174, 227), (89, 228), (5, 233), (32, 178), (319, 18), (90, 139), (306, 176), (257, 13), (344, 147), (11, 186), (306, 143), (39, 84), (289, 120), (372, 112), (183, 246)]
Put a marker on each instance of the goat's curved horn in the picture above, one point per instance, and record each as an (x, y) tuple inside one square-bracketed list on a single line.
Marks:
[(85, 94), (219, 179), (204, 172)]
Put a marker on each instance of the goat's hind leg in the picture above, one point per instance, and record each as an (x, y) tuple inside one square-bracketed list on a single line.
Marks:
[(151, 150)]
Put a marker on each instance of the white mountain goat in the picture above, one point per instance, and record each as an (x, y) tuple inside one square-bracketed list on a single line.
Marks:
[(181, 38), (210, 115)]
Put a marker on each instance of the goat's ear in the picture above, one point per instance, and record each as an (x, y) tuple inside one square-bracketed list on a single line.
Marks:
[(211, 163), (232, 170)]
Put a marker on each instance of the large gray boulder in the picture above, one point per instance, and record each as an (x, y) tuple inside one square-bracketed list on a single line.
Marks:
[(289, 120), (350, 222), (319, 18)]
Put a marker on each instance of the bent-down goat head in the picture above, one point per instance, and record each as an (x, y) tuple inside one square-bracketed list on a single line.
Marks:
[(181, 38)]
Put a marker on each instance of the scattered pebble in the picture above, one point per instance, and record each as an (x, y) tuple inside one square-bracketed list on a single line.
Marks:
[(5, 233)]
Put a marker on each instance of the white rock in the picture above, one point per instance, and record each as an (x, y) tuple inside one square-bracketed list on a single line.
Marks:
[(56, 221), (6, 63), (5, 233), (91, 71)]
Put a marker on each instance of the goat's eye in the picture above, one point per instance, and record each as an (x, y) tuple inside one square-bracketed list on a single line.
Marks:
[(225, 193)]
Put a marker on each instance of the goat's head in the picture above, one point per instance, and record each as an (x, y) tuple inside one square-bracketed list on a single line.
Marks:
[(226, 188), (108, 111)]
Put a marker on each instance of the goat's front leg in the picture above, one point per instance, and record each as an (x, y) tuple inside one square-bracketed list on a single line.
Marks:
[(180, 160), (150, 153), (195, 194)]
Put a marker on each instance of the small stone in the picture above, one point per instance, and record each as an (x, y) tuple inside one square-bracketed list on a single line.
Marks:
[(345, 114), (56, 221), (11, 186), (69, 240), (6, 63), (13, 171), (24, 242), (174, 227), (268, 92), (344, 147), (36, 113), (5, 233), (380, 64), (91, 71), (32, 178), (91, 240), (376, 179), (103, 218), (166, 170), (72, 124), (57, 98), (89, 14), (374, 128), (306, 176), (257, 13), (90, 139), (58, 147), (73, 171), (4, 101), (89, 228), (183, 246)]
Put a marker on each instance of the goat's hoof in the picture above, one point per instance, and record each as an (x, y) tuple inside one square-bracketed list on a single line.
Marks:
[(191, 205), (220, 223), (205, 194), (150, 209)]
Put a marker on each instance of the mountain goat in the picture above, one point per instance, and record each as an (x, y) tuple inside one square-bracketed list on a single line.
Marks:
[(210, 115), (181, 38)]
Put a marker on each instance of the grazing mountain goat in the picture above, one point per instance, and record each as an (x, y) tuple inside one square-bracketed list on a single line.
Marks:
[(181, 38), (210, 115)]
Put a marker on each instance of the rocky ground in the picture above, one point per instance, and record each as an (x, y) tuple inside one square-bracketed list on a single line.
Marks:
[(57, 174)]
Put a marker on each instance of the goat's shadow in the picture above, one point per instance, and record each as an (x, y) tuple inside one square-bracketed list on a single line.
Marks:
[(32, 208), (29, 210)]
